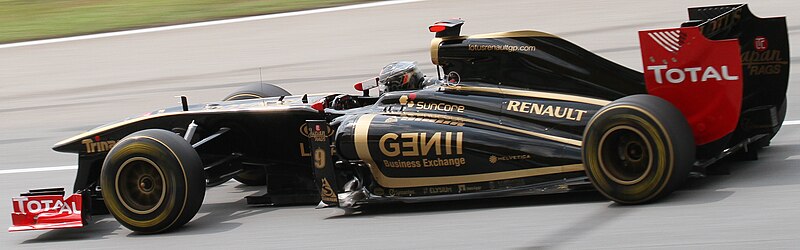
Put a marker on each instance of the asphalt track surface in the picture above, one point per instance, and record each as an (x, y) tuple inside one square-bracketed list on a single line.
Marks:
[(52, 91)]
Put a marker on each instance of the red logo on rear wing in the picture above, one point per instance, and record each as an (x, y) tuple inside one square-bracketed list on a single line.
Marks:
[(46, 212), (701, 77)]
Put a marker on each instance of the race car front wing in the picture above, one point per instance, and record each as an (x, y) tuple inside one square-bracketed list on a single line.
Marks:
[(48, 209)]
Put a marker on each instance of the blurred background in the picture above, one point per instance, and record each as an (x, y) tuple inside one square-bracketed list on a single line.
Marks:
[(36, 19)]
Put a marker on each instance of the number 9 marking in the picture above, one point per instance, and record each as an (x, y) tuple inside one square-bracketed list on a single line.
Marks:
[(319, 158)]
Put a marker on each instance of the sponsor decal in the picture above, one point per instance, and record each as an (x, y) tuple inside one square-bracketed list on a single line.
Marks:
[(432, 120), (760, 43), (494, 159), (566, 113), (307, 132), (400, 192), (670, 40), (318, 133), (763, 61), (378, 191), (423, 144), (418, 144), (47, 203), (38, 212), (497, 47), (327, 192), (723, 22), (97, 146), (438, 190), (693, 74), (703, 80), (408, 101), (464, 188), (438, 162)]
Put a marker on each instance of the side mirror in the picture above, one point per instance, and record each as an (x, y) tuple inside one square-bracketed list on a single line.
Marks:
[(365, 85), (446, 28)]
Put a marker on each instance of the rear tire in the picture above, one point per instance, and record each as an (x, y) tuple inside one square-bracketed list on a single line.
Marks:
[(256, 90), (152, 181), (255, 176), (638, 149)]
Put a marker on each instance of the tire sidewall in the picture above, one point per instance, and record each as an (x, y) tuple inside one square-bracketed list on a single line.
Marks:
[(184, 188), (668, 135), (256, 90)]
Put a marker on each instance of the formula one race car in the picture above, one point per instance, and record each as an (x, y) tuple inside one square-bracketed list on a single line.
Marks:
[(512, 113)]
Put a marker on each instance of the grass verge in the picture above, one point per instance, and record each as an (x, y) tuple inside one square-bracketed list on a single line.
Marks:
[(24, 20)]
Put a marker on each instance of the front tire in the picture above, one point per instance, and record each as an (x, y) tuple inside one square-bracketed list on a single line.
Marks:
[(638, 149), (152, 181)]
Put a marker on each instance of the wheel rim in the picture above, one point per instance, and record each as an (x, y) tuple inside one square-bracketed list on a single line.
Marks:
[(140, 185), (625, 156)]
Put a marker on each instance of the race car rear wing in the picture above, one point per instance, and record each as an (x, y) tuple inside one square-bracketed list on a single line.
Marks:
[(725, 69)]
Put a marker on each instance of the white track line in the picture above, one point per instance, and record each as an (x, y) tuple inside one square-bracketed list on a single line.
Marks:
[(47, 169), (209, 23), (29, 170)]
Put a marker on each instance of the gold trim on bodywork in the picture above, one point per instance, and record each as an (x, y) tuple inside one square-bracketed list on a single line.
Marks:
[(362, 149), (532, 94), (436, 42), (108, 127), (516, 33), (573, 142), (264, 106), (507, 34), (435, 50)]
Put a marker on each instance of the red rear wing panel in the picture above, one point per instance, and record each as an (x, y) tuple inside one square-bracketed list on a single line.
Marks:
[(701, 77)]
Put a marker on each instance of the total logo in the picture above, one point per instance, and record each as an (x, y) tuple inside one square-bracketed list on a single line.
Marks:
[(694, 74), (23, 205)]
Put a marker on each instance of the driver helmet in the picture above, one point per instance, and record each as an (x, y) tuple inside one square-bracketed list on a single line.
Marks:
[(401, 75)]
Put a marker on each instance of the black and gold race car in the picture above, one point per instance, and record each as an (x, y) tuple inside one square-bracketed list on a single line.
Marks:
[(512, 113)]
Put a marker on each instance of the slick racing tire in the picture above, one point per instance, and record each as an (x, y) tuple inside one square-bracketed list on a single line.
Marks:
[(255, 176), (256, 90), (638, 149), (152, 181)]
